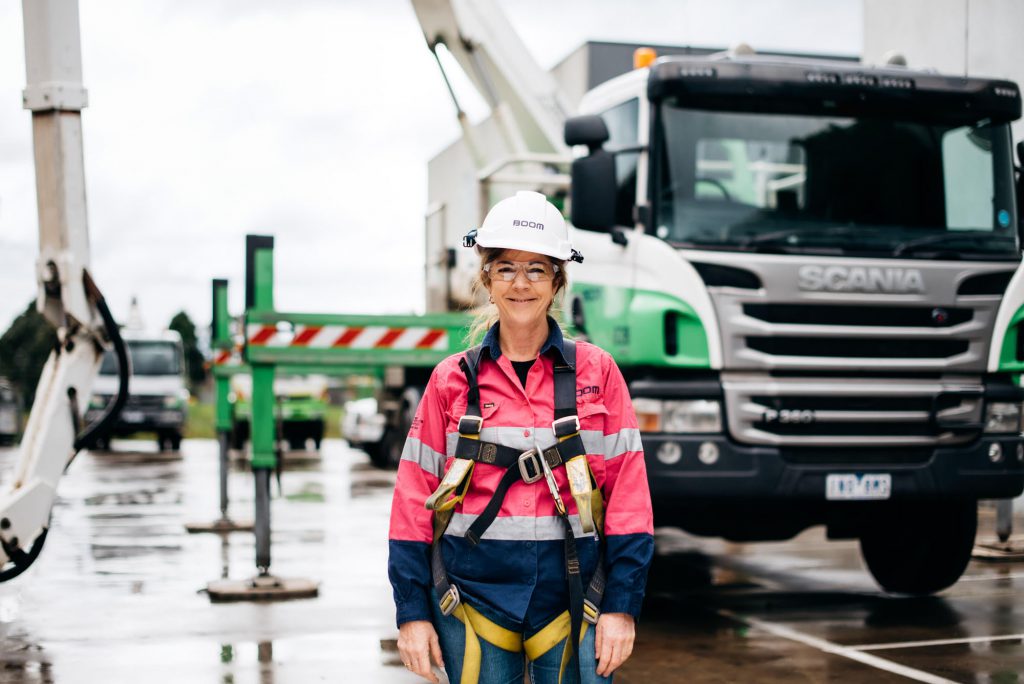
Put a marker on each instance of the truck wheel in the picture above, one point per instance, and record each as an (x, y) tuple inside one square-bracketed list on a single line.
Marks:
[(318, 434), (239, 433), (920, 548), (394, 435), (376, 452), (174, 438)]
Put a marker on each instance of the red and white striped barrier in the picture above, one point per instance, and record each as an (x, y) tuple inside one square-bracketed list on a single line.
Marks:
[(228, 357), (349, 337)]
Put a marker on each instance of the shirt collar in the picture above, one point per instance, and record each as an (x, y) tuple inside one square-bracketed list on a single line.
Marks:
[(555, 341)]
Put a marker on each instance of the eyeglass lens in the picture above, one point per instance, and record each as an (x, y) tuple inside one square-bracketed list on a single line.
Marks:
[(535, 270)]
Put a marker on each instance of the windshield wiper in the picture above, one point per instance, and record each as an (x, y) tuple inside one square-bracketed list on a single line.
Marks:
[(785, 235), (911, 246)]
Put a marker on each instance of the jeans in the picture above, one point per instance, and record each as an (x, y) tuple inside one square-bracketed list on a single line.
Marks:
[(498, 666)]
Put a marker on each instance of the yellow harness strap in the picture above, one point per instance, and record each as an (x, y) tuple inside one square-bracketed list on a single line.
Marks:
[(590, 504), (479, 627), (452, 488)]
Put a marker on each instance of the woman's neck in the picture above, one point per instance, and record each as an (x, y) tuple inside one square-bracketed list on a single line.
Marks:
[(522, 343)]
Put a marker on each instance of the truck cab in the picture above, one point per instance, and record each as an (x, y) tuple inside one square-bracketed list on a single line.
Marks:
[(808, 270), (301, 409), (158, 396)]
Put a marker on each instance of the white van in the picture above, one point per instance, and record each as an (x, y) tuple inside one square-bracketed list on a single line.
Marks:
[(157, 395)]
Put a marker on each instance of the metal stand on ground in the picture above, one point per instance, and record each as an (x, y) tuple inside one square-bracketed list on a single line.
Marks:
[(224, 523), (263, 586), (223, 367), (1005, 547)]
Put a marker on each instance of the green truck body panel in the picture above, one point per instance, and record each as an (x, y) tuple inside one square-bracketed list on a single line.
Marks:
[(630, 324), (1008, 361)]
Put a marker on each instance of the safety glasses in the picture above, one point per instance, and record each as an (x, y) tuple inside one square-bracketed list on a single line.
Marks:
[(535, 271)]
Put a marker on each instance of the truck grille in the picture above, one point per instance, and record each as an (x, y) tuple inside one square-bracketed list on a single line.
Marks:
[(144, 402), (844, 412), (879, 316), (853, 362), (861, 349)]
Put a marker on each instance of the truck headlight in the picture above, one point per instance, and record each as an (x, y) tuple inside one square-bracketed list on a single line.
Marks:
[(696, 415), (99, 401), (693, 415), (648, 414), (1002, 417)]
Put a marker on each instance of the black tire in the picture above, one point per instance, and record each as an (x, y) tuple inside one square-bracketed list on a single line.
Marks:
[(317, 433), (388, 453), (920, 548), (174, 439), (376, 452), (296, 444), (239, 433)]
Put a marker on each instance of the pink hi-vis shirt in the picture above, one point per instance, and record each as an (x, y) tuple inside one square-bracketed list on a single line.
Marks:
[(516, 575)]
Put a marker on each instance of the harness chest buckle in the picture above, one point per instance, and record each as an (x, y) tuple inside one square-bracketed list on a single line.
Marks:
[(564, 427), (530, 467), (470, 425)]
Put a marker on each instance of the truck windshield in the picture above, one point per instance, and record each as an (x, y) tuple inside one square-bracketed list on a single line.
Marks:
[(817, 185), (148, 358)]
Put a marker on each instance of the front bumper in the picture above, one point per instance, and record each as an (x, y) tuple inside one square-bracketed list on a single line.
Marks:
[(761, 472)]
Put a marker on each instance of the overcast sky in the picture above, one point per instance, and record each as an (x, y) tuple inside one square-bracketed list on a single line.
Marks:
[(311, 120)]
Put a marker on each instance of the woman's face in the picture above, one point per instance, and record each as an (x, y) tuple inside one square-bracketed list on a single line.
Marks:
[(521, 302)]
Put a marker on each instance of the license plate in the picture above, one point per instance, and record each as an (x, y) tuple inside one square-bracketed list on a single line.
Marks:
[(858, 487), (131, 416)]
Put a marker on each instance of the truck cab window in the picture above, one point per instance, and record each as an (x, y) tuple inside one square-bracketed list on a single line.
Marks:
[(623, 131), (808, 184)]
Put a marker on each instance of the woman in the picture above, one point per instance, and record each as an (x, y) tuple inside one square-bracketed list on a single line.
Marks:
[(521, 520)]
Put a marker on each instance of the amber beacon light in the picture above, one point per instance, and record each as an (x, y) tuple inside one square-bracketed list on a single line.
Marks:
[(644, 57)]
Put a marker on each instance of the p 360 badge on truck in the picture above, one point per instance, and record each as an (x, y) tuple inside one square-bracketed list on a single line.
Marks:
[(788, 416)]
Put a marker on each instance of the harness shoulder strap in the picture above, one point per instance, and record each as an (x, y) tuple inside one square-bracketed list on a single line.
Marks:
[(470, 365), (565, 382)]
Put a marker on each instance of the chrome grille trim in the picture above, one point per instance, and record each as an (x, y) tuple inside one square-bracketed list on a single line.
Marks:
[(746, 414)]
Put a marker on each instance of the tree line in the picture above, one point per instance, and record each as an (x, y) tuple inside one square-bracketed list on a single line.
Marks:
[(27, 343)]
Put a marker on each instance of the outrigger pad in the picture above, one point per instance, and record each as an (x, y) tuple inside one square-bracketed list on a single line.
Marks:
[(221, 526), (262, 588)]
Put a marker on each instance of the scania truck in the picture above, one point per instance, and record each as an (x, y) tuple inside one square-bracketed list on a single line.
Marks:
[(809, 272), (808, 269)]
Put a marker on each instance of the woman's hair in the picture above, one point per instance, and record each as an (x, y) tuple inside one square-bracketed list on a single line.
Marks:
[(486, 314)]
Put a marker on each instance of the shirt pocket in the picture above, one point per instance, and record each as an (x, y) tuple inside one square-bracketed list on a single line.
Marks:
[(592, 414), (488, 411)]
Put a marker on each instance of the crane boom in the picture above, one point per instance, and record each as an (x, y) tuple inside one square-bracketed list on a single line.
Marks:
[(67, 296), (523, 96)]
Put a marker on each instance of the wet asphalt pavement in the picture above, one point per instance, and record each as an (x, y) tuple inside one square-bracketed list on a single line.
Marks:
[(118, 593)]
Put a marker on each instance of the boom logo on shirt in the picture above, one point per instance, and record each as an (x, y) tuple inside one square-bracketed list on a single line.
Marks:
[(584, 391)]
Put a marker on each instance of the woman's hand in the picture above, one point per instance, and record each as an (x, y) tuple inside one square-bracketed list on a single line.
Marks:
[(614, 641), (417, 644)]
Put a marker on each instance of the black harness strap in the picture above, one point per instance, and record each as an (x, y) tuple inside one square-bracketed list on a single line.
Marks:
[(566, 428), (525, 466)]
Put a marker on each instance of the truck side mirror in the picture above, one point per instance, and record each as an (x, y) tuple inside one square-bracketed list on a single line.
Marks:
[(1019, 187), (589, 130), (593, 177)]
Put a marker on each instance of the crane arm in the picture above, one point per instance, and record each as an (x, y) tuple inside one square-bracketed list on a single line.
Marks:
[(526, 99), (67, 296)]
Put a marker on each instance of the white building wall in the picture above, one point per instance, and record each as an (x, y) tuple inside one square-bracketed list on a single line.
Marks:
[(975, 37)]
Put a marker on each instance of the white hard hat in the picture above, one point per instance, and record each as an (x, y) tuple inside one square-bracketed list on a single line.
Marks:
[(527, 222)]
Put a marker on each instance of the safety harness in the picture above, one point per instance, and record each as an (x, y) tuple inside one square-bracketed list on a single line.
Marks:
[(528, 466)]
